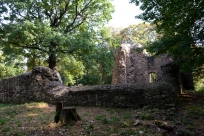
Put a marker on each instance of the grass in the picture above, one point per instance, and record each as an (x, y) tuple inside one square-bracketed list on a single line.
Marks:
[(19, 124), (115, 119), (3, 121), (5, 129), (127, 116), (147, 116), (37, 119), (102, 118)]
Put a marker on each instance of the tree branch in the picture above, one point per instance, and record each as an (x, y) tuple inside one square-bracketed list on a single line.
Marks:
[(49, 15), (28, 47), (71, 26), (77, 25), (72, 23), (62, 13)]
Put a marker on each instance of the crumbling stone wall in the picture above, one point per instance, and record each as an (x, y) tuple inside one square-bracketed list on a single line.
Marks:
[(134, 67), (43, 84), (162, 94), (123, 96)]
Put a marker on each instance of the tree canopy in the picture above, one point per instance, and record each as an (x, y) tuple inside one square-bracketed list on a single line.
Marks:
[(50, 26), (138, 34), (142, 34), (10, 65), (66, 33), (180, 26)]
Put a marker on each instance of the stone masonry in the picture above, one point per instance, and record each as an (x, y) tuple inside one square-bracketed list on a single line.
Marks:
[(134, 67), (43, 84)]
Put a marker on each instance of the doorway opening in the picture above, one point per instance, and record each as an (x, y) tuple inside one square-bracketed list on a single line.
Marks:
[(152, 77)]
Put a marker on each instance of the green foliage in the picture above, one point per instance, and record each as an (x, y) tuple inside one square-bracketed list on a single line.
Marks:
[(70, 69), (10, 65), (138, 34), (115, 36), (134, 34), (98, 61), (180, 28), (61, 30), (199, 85)]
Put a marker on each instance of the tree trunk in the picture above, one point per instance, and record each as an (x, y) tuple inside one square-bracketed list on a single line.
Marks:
[(52, 56)]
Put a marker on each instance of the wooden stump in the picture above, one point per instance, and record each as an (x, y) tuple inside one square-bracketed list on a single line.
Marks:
[(69, 115), (66, 115), (59, 106)]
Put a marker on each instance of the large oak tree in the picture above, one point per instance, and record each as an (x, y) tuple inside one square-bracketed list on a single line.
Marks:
[(50, 26)]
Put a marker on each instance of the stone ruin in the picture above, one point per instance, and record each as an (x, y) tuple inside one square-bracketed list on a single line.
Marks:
[(131, 84), (133, 67), (43, 84)]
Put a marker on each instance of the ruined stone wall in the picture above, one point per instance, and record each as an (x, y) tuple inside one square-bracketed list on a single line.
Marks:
[(17, 87), (134, 67), (159, 95), (121, 64), (162, 94), (42, 84)]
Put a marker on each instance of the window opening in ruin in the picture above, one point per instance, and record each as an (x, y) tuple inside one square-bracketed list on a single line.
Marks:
[(152, 77)]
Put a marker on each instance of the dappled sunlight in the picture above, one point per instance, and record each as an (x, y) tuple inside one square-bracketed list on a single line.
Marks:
[(62, 91), (27, 119), (40, 105), (32, 114), (53, 125), (190, 96)]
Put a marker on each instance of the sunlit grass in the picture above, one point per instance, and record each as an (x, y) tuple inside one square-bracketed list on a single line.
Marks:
[(37, 105)]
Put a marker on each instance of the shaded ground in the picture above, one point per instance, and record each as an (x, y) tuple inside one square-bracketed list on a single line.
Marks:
[(36, 119)]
